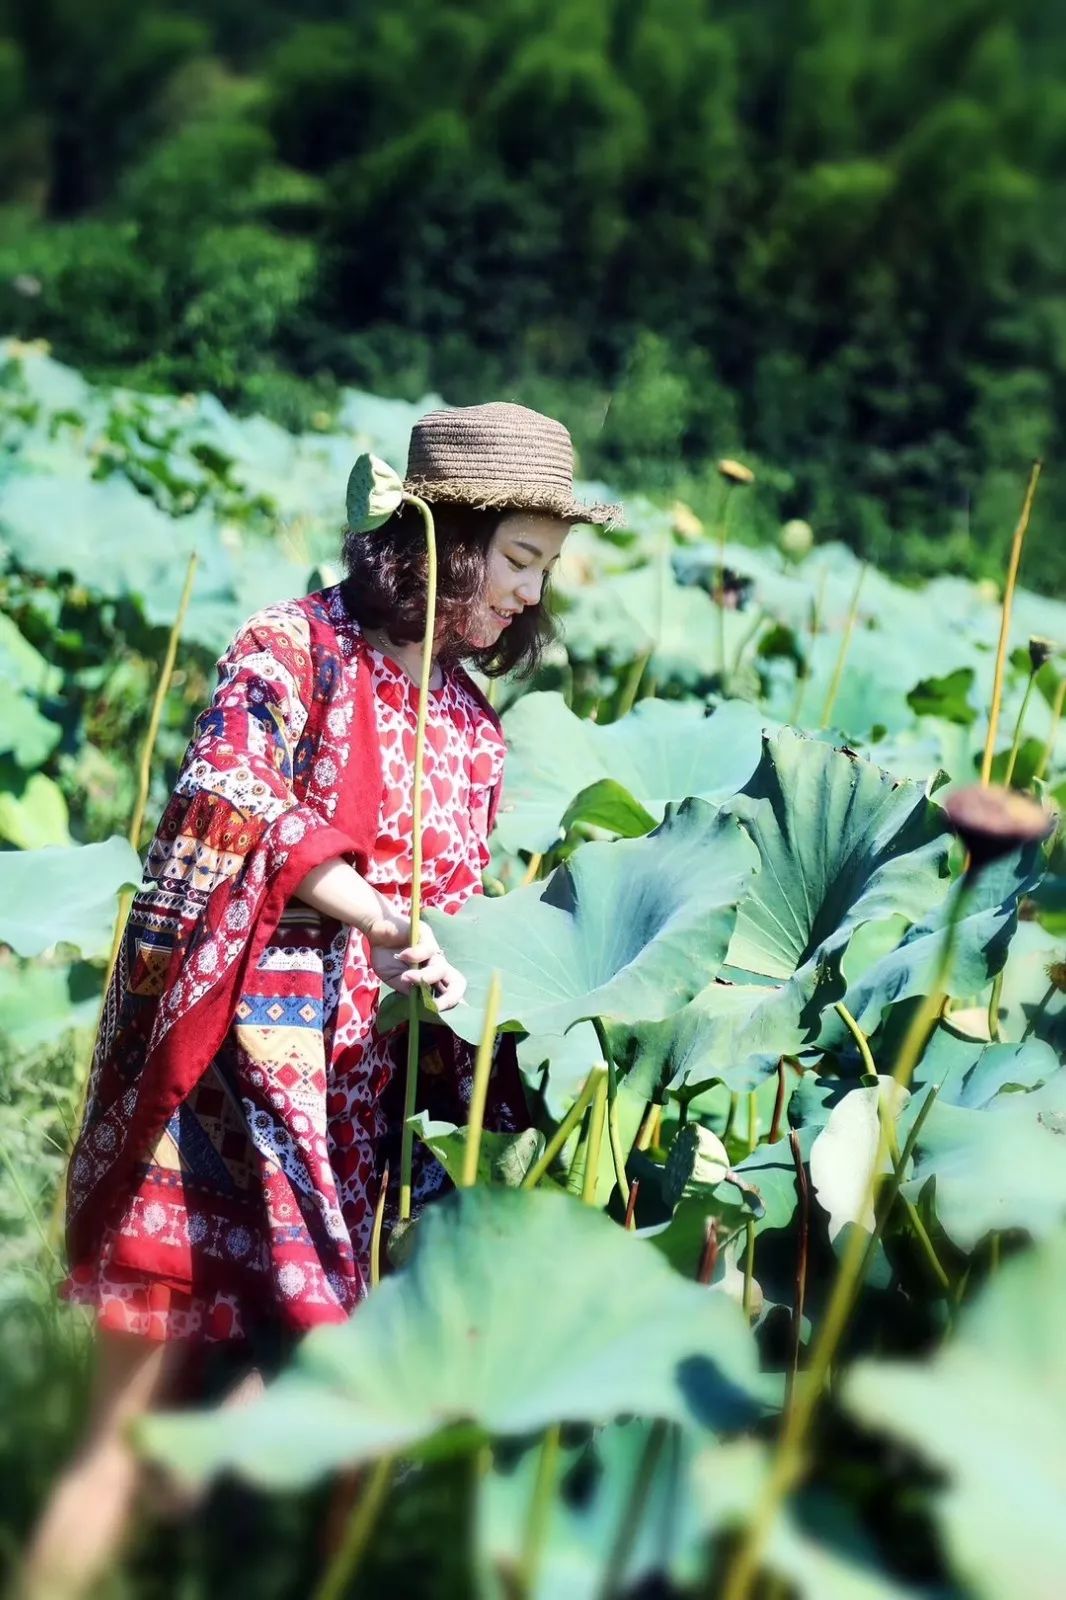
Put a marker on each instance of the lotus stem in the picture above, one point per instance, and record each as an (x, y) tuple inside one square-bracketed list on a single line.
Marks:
[(597, 1118), (731, 1115), (749, 1265), (627, 699), (631, 1206), (480, 1087), (993, 1006), (337, 1581), (803, 1195), (709, 1253), (411, 1079), (753, 1121), (540, 1506), (789, 1457), (815, 623), (649, 1128), (899, 1163), (760, 618), (859, 1036), (724, 507), (1049, 743), (1015, 743), (779, 1103), (530, 874), (845, 646), (561, 1134), (632, 1512), (375, 1233), (1004, 621), (617, 1153)]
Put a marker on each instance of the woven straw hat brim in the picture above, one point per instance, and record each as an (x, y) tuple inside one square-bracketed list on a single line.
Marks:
[(498, 456), (499, 497)]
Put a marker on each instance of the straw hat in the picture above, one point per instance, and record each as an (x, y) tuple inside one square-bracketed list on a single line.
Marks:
[(498, 455)]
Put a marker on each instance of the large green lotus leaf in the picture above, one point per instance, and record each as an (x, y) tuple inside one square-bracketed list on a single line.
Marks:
[(1002, 1166), (841, 844), (733, 1032), (503, 1158), (926, 747), (40, 1001), (970, 1073), (986, 1412), (989, 917), (71, 895), (518, 1309), (626, 931), (947, 697), (559, 1063), (662, 750)]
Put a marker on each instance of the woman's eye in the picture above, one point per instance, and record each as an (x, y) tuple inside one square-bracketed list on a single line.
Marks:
[(517, 565)]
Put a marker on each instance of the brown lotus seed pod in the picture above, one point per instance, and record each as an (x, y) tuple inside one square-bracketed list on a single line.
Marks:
[(735, 471), (991, 820), (1040, 650), (1056, 975)]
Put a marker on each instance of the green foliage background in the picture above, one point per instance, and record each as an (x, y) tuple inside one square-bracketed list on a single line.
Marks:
[(825, 234)]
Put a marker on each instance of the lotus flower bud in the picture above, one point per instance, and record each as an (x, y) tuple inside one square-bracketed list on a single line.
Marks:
[(796, 538), (1040, 650), (374, 493), (991, 820), (735, 471)]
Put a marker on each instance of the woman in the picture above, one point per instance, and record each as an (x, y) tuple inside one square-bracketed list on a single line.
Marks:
[(223, 1184)]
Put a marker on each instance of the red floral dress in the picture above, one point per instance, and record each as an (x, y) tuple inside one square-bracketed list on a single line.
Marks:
[(264, 1181)]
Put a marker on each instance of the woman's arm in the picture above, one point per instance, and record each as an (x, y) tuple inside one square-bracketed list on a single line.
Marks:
[(336, 890)]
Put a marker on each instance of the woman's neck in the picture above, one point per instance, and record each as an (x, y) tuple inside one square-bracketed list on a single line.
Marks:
[(407, 656)]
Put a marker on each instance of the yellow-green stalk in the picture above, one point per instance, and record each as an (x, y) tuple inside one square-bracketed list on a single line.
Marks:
[(1004, 621), (842, 654), (480, 1086)]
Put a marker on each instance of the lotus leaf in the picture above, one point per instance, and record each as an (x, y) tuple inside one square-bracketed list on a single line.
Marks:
[(519, 1308), (54, 895)]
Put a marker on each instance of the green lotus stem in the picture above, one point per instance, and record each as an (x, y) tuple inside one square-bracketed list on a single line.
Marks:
[(1049, 743), (1045, 1001), (749, 1265), (803, 1195), (411, 1080), (649, 1126), (530, 874), (337, 1581), (731, 1115), (724, 504), (617, 1153), (899, 1163), (858, 1035), (815, 623), (561, 1134), (629, 1522), (789, 1457), (480, 1087), (993, 1006), (993, 1252), (1015, 743), (540, 1506), (597, 1118), (375, 1232), (1004, 621), (627, 699), (842, 654), (760, 618), (753, 1122)]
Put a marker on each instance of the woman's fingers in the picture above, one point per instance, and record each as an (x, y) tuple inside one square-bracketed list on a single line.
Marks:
[(427, 946), (431, 971), (451, 991)]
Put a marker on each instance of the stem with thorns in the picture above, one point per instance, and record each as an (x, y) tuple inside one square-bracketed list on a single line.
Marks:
[(858, 1035), (1004, 621), (803, 1194), (1015, 743), (561, 1134), (337, 1581)]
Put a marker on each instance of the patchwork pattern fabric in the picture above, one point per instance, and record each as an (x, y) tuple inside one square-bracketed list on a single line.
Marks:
[(248, 1194)]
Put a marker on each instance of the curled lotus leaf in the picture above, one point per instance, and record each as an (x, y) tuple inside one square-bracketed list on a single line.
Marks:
[(375, 492)]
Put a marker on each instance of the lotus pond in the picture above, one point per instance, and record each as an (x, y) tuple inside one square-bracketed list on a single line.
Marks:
[(769, 1302)]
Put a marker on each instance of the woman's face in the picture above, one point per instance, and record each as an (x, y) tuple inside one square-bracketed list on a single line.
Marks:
[(522, 552)]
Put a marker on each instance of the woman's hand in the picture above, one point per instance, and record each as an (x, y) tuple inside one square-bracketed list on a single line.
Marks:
[(405, 966)]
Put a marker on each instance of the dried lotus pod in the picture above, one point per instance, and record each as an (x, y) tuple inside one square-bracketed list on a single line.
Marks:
[(1040, 651), (991, 821)]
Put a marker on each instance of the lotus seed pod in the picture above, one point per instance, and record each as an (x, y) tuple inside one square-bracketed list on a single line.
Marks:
[(797, 538), (374, 493), (1056, 975), (735, 471), (991, 820), (1040, 650), (697, 1160)]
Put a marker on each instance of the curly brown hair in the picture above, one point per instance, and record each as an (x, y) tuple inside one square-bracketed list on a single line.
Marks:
[(385, 588)]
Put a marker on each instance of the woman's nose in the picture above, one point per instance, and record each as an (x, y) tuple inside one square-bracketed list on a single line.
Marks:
[(528, 590)]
